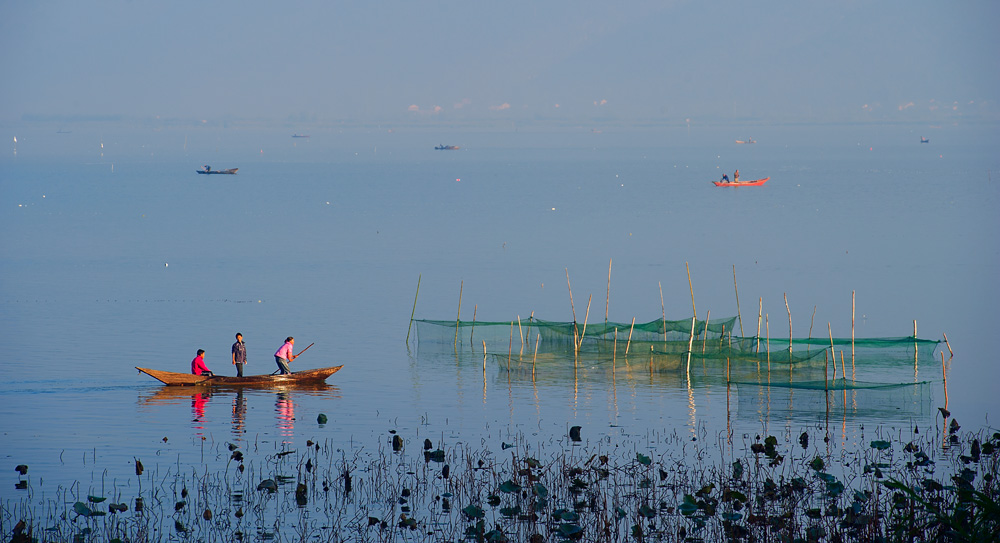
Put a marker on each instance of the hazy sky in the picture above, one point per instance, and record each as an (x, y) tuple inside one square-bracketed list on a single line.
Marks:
[(393, 61)]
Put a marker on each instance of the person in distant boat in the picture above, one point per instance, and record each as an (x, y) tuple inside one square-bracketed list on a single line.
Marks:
[(239, 354), (725, 178), (207, 168), (198, 366), (736, 177), (284, 356)]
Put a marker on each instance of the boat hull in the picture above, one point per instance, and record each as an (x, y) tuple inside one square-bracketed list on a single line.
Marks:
[(186, 379), (231, 171), (753, 183)]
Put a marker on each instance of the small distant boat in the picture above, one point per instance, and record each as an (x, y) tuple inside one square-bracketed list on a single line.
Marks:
[(300, 135), (206, 169), (753, 183), (924, 140), (751, 140), (446, 147), (187, 379)]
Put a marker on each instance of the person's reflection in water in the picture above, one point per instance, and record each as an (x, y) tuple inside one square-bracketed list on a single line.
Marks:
[(239, 414), (285, 408), (198, 402)]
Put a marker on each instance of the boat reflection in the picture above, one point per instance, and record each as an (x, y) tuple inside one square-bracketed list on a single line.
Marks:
[(286, 398)]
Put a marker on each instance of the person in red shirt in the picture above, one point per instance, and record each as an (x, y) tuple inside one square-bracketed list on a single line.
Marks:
[(198, 366)]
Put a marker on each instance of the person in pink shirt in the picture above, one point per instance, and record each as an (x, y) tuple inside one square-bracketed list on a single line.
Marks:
[(284, 356), (198, 366)]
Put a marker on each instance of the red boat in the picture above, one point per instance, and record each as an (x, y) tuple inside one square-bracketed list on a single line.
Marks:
[(753, 183)]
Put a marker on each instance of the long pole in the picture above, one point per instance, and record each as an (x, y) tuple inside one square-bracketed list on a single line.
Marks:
[(663, 309), (458, 319), (607, 301), (739, 315), (832, 351), (694, 319), (414, 312), (572, 307), (760, 314), (629, 344), (789, 323), (852, 335), (586, 317), (472, 345)]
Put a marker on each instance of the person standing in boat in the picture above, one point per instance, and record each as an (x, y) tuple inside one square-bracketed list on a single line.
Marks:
[(198, 366), (239, 354), (736, 177), (284, 356)]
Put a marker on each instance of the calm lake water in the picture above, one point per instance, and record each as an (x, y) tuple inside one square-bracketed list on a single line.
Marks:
[(122, 256)]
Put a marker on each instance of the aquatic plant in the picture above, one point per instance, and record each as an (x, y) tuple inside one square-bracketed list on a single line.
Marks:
[(781, 488)]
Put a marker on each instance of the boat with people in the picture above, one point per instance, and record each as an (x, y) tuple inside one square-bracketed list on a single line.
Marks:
[(924, 140), (318, 375), (208, 170), (752, 183), (749, 140), (446, 147)]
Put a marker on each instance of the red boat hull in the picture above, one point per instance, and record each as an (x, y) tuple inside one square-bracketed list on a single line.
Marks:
[(753, 183)]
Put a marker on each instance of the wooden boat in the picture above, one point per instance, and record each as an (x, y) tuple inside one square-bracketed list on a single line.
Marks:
[(753, 183), (751, 140), (446, 147), (208, 170), (180, 379)]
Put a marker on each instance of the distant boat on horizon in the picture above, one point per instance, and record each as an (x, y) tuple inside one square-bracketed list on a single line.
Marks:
[(924, 140), (300, 135), (446, 147), (206, 169), (750, 140)]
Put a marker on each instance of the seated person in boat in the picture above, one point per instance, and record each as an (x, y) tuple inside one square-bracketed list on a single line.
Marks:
[(284, 355), (725, 178), (198, 366)]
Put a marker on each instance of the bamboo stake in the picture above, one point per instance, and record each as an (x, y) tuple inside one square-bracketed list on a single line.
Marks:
[(629, 344), (705, 339), (760, 308), (520, 331), (510, 346), (690, 344), (767, 326), (826, 372), (691, 286), (789, 323), (843, 367), (607, 301), (458, 318), (944, 374), (739, 316), (538, 338), (832, 351), (916, 349), (484, 357), (852, 335), (414, 312), (472, 344), (571, 305), (663, 309), (950, 352), (811, 322), (614, 351), (586, 317)]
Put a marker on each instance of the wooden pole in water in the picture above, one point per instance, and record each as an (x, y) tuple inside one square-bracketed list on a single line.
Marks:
[(629, 344), (760, 309), (521, 332), (950, 352), (690, 345), (691, 286), (811, 322), (607, 301), (538, 338), (767, 344), (572, 307), (915, 350), (944, 374), (739, 316), (458, 319), (510, 346), (586, 317), (614, 351), (472, 344), (414, 312), (663, 310), (484, 356), (852, 335), (704, 340), (832, 351), (789, 323)]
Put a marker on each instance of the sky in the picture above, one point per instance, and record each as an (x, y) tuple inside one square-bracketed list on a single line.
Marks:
[(477, 62)]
